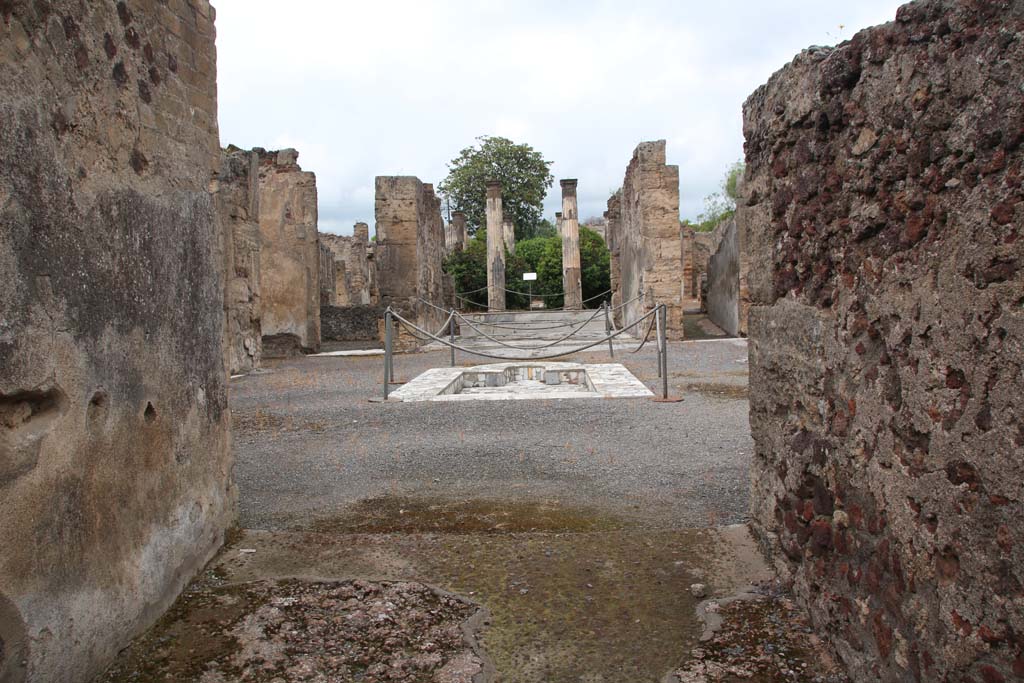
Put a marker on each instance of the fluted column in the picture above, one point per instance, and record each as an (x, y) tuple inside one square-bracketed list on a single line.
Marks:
[(459, 237), (495, 249), (508, 228), (571, 283)]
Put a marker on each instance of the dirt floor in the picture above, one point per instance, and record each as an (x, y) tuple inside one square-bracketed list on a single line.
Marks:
[(588, 540)]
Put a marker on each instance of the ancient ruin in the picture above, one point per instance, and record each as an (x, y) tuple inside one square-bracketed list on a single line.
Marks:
[(495, 249), (874, 259), (115, 484), (882, 217), (410, 246), (238, 213), (352, 265), (643, 226), (289, 255), (570, 230)]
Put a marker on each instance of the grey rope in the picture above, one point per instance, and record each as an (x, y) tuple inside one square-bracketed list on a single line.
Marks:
[(531, 358), (529, 348)]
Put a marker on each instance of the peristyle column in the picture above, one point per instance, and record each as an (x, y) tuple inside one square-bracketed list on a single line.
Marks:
[(495, 249), (571, 284)]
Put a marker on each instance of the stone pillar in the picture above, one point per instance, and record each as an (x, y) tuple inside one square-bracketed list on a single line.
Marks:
[(571, 284), (558, 222), (460, 238), (360, 275), (495, 249), (508, 229)]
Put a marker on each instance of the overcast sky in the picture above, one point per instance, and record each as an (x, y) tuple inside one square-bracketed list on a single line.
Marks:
[(366, 88)]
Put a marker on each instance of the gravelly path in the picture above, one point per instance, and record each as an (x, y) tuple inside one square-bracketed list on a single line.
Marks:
[(308, 442)]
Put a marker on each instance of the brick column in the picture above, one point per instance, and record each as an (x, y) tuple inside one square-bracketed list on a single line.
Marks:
[(495, 249), (571, 248)]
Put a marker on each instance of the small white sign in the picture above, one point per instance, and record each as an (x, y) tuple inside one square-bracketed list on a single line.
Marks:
[(529, 276)]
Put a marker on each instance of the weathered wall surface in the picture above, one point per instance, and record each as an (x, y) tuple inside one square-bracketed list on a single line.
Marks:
[(883, 213), (290, 255), (350, 323), (351, 266), (648, 237), (238, 213), (409, 252), (114, 459), (327, 276), (613, 226), (723, 280)]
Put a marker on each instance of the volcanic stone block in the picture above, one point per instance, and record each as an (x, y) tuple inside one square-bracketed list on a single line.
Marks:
[(289, 255), (882, 215), (115, 483)]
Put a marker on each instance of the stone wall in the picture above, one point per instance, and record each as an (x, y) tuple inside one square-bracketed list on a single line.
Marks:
[(351, 266), (114, 460), (290, 255), (238, 214), (350, 323), (327, 276), (723, 280), (648, 237), (613, 222), (409, 252), (883, 215)]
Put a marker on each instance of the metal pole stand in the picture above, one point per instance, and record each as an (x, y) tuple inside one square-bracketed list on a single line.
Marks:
[(662, 317), (608, 328), (451, 335), (388, 324)]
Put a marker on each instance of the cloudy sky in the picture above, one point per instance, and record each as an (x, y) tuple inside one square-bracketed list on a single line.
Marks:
[(366, 88)]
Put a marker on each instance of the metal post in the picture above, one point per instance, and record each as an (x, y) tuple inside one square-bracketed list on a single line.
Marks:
[(664, 352), (608, 329), (387, 352), (657, 332), (451, 335)]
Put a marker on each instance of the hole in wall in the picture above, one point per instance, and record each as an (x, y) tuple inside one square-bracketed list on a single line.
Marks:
[(30, 409), (150, 413), (99, 404)]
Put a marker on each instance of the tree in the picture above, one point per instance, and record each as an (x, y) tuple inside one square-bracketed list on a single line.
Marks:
[(541, 255), (721, 205), (524, 174)]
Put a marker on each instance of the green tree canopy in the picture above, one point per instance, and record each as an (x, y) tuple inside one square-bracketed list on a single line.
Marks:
[(721, 205), (541, 255), (524, 174)]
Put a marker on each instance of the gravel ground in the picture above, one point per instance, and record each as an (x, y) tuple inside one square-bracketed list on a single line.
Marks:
[(309, 443)]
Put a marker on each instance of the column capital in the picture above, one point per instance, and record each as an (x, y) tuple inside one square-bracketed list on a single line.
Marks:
[(568, 186), (493, 188)]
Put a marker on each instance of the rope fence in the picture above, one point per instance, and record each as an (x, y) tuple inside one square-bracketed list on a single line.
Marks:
[(657, 317)]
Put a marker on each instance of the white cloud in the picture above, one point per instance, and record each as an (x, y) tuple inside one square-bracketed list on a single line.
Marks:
[(399, 87)]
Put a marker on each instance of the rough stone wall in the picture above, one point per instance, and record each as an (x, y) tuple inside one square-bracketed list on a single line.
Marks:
[(327, 276), (883, 214), (351, 266), (350, 323), (723, 280), (409, 252), (613, 222), (114, 460), (289, 256), (649, 237), (238, 214)]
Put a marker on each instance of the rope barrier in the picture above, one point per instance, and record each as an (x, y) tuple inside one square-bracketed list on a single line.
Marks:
[(482, 354), (529, 348)]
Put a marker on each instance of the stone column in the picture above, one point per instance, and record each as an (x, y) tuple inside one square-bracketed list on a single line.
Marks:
[(508, 229), (459, 236), (558, 222), (571, 284), (360, 274), (495, 249)]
